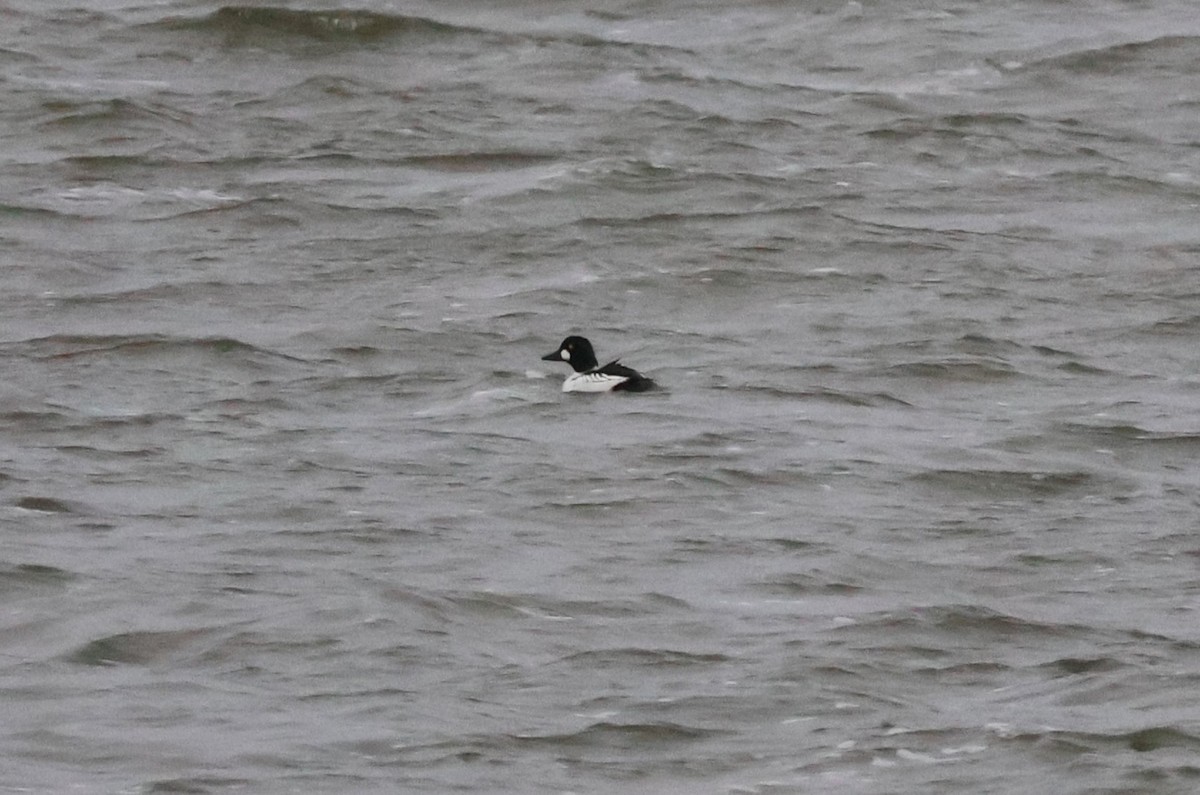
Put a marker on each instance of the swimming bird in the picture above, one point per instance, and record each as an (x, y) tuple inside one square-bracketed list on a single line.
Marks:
[(589, 377)]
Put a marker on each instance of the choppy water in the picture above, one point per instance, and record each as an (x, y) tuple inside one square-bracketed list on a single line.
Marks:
[(288, 501)]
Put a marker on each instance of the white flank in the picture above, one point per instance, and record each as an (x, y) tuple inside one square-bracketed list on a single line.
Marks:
[(592, 382)]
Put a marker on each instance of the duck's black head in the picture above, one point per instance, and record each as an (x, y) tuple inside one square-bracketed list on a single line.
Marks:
[(575, 351)]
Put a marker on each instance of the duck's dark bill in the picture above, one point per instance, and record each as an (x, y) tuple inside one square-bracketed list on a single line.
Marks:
[(551, 357)]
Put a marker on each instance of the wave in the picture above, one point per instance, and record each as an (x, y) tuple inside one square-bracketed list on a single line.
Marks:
[(108, 198), (961, 619), (8, 56), (1163, 52), (32, 576), (263, 25), (827, 395), (605, 734), (141, 648), (29, 213), (71, 346), (1082, 665), (116, 111), (44, 505), (952, 370), (631, 737), (476, 162), (599, 659), (1011, 484), (1151, 738), (800, 584), (473, 604), (1180, 325), (1112, 435)]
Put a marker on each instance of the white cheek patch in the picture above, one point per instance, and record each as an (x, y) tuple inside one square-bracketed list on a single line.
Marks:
[(566, 354)]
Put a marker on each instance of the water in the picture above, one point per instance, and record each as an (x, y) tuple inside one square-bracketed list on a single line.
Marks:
[(289, 502)]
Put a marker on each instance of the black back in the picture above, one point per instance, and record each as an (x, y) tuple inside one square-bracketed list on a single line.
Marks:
[(636, 383)]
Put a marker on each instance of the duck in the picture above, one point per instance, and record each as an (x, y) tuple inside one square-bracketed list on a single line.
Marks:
[(589, 376)]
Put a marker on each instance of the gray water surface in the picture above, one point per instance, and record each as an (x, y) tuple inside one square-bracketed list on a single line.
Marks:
[(290, 503)]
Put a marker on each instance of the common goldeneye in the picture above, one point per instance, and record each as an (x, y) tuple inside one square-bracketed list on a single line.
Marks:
[(589, 377)]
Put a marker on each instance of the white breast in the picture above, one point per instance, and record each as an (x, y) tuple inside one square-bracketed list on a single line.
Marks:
[(592, 382)]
